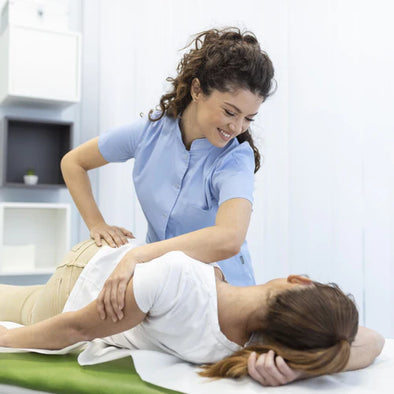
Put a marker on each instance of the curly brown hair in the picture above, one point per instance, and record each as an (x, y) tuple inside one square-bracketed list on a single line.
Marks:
[(224, 60)]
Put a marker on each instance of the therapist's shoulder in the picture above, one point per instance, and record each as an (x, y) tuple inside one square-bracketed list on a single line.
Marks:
[(236, 156), (151, 127), (142, 125)]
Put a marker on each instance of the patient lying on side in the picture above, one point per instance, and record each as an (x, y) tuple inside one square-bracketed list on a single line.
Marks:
[(283, 330)]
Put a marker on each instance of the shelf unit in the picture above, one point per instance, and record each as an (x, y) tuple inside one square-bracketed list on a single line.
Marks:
[(37, 144), (39, 65), (34, 237)]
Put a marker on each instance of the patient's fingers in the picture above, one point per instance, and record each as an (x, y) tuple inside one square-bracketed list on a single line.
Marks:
[(113, 311), (286, 371), (121, 294), (271, 372), (261, 367), (108, 304), (265, 365), (253, 372)]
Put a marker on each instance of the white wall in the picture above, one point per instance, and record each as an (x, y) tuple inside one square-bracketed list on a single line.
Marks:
[(324, 196), (341, 149)]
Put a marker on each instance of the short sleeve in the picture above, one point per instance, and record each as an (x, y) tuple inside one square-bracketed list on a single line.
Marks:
[(155, 282), (120, 144), (234, 175)]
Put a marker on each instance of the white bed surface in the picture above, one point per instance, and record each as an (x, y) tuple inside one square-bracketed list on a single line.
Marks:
[(168, 371)]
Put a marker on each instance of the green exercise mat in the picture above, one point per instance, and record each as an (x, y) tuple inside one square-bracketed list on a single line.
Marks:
[(63, 374)]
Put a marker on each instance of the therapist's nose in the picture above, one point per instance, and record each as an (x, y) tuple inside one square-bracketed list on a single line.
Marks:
[(236, 126)]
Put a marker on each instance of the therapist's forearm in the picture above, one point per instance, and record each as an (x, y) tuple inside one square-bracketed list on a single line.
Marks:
[(207, 245), (210, 244)]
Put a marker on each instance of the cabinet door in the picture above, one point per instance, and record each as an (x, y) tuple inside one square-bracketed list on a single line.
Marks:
[(43, 64)]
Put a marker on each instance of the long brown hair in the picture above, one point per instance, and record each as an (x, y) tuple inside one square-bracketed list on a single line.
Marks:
[(224, 60), (311, 328)]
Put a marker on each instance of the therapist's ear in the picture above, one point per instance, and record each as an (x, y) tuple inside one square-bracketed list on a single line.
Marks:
[(195, 89), (299, 280)]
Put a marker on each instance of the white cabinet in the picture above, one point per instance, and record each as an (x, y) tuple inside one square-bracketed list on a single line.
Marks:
[(39, 65), (34, 237), (48, 14)]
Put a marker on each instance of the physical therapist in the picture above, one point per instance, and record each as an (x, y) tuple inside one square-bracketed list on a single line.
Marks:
[(194, 163)]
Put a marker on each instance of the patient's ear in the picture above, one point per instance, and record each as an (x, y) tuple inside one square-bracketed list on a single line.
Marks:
[(299, 280)]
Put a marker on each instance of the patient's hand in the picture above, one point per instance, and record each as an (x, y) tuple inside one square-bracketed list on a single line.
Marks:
[(271, 370)]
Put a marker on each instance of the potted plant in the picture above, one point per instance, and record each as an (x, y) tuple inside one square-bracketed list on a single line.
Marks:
[(30, 178)]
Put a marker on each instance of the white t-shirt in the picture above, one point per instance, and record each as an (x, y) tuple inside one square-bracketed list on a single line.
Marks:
[(179, 295)]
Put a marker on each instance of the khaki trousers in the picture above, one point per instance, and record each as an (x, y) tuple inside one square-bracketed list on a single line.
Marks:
[(30, 304)]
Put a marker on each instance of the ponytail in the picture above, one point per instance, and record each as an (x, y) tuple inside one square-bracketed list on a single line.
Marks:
[(313, 361), (311, 328)]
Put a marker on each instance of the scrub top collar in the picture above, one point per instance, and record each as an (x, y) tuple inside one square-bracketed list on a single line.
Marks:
[(199, 144)]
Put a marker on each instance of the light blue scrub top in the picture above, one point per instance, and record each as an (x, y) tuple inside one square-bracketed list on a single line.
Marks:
[(180, 190)]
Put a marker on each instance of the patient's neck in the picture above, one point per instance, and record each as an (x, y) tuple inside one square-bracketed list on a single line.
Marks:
[(241, 310)]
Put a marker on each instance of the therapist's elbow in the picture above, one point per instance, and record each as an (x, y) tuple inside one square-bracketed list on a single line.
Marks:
[(70, 166), (66, 162), (230, 244)]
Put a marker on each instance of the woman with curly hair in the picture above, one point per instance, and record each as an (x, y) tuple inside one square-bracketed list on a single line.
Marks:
[(194, 163), (176, 304)]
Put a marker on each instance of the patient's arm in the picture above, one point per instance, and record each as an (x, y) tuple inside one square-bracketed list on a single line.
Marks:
[(367, 345), (273, 371), (72, 327)]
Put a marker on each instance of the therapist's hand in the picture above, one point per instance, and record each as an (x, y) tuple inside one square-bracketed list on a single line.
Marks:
[(271, 370), (113, 235), (111, 300)]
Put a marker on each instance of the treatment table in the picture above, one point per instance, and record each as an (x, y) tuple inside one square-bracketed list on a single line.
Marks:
[(154, 372)]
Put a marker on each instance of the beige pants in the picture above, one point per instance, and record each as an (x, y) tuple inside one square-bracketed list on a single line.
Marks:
[(30, 304)]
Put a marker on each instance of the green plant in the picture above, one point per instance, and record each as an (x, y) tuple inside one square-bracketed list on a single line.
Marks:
[(31, 171)]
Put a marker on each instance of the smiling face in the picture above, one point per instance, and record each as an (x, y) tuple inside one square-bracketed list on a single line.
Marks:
[(219, 116)]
